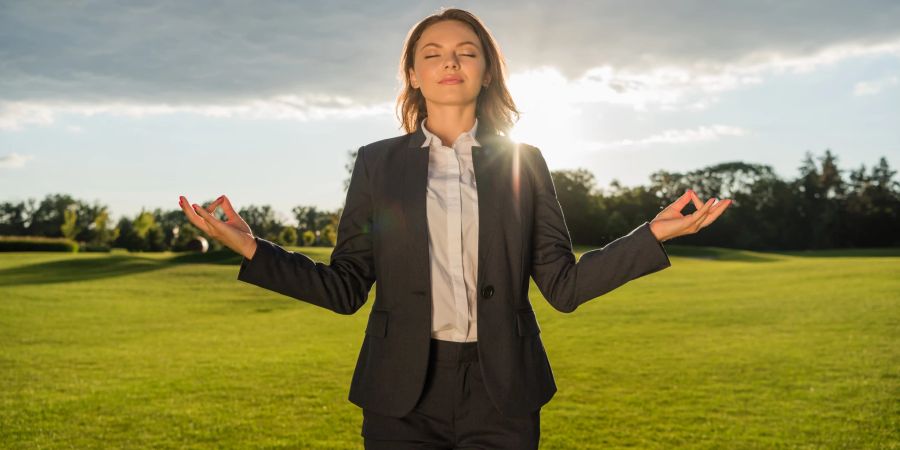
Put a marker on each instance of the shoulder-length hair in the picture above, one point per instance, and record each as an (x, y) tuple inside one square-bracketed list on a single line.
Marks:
[(495, 108)]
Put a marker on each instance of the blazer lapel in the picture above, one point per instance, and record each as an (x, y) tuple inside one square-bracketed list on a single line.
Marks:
[(486, 179), (414, 180)]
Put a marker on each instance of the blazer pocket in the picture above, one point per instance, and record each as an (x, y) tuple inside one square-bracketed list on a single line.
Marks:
[(527, 323), (377, 325)]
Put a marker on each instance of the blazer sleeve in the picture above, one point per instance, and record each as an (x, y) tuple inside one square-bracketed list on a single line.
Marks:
[(343, 285), (567, 284)]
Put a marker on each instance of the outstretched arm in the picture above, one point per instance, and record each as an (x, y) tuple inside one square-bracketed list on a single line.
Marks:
[(565, 283), (342, 285)]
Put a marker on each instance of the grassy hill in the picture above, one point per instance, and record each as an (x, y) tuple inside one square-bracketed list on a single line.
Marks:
[(725, 349)]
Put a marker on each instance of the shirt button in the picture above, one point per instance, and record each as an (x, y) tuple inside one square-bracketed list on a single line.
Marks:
[(487, 291)]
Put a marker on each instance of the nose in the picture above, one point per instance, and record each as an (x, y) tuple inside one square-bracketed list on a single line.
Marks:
[(452, 61)]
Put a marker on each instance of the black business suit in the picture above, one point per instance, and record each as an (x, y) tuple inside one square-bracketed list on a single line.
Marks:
[(382, 236)]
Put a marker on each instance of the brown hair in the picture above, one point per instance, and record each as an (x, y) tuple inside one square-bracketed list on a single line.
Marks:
[(495, 108)]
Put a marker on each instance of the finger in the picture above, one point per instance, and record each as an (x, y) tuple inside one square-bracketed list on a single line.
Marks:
[(235, 219), (682, 201), (697, 203), (716, 211), (211, 208), (226, 206), (192, 216), (209, 218), (702, 212)]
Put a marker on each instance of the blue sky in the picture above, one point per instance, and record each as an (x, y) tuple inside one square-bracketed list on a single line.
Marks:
[(132, 106)]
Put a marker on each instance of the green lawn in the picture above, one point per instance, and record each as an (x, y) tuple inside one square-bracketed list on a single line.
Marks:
[(724, 349)]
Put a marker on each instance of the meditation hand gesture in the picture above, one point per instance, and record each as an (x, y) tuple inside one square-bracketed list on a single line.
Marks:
[(233, 232), (670, 223)]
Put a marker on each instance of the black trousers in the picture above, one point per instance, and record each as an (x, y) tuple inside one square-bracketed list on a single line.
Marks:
[(454, 411)]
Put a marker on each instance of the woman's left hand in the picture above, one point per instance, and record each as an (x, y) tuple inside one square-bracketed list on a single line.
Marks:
[(670, 223)]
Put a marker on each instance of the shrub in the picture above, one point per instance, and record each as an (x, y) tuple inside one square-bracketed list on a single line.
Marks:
[(309, 238), (288, 236), (37, 244)]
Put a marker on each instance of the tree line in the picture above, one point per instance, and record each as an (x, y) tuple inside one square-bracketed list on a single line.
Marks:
[(60, 215), (821, 208)]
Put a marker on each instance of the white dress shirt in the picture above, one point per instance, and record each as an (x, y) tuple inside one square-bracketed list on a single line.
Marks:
[(452, 209)]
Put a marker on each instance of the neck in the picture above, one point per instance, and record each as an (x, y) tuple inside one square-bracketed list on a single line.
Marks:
[(448, 122)]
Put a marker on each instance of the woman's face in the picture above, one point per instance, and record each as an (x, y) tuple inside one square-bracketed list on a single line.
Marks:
[(449, 65)]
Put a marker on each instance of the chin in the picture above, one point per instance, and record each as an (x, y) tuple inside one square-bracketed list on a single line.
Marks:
[(452, 100)]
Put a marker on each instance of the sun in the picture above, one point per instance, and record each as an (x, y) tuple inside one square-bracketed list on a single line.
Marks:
[(548, 113)]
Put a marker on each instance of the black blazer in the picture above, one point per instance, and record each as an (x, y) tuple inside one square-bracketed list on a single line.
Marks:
[(382, 235)]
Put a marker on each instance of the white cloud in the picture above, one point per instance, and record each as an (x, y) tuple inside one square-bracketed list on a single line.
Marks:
[(676, 88), (675, 136), (283, 61), (14, 161), (101, 51), (16, 115), (872, 87), (544, 94)]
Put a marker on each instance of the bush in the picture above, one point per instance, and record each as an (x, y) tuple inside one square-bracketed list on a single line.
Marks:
[(37, 244), (288, 236), (330, 234)]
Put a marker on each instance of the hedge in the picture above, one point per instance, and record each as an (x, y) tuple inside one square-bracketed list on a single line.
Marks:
[(37, 244)]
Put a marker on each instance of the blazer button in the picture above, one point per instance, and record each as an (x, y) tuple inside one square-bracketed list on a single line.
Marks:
[(488, 291)]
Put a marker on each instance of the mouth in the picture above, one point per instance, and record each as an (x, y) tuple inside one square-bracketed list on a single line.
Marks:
[(451, 80)]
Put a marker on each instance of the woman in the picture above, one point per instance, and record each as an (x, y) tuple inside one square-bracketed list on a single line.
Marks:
[(452, 354)]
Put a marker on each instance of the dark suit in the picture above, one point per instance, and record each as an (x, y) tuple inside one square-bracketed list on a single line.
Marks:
[(382, 236)]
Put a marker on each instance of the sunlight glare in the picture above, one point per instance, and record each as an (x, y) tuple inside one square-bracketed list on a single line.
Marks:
[(548, 113)]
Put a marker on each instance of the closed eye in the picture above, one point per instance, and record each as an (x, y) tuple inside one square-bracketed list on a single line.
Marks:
[(435, 56)]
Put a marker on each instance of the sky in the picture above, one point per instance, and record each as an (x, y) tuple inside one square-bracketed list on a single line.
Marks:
[(131, 106)]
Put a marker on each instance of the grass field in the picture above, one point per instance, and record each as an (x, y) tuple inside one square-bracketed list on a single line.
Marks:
[(725, 349)]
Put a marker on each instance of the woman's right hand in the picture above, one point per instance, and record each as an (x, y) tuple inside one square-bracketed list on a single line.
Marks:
[(233, 232)]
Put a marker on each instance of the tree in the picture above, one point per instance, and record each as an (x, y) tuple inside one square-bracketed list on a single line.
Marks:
[(831, 182), (102, 234), (575, 190), (48, 219), (263, 221), (307, 218), (348, 166), (127, 236), (69, 227), (14, 218), (288, 236), (329, 233)]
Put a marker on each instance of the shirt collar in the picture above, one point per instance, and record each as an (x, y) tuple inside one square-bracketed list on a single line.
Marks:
[(465, 136)]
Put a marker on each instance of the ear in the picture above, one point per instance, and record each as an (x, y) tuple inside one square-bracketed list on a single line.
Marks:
[(412, 79), (487, 79)]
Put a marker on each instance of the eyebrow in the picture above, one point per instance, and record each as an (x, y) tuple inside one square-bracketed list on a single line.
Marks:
[(458, 45)]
